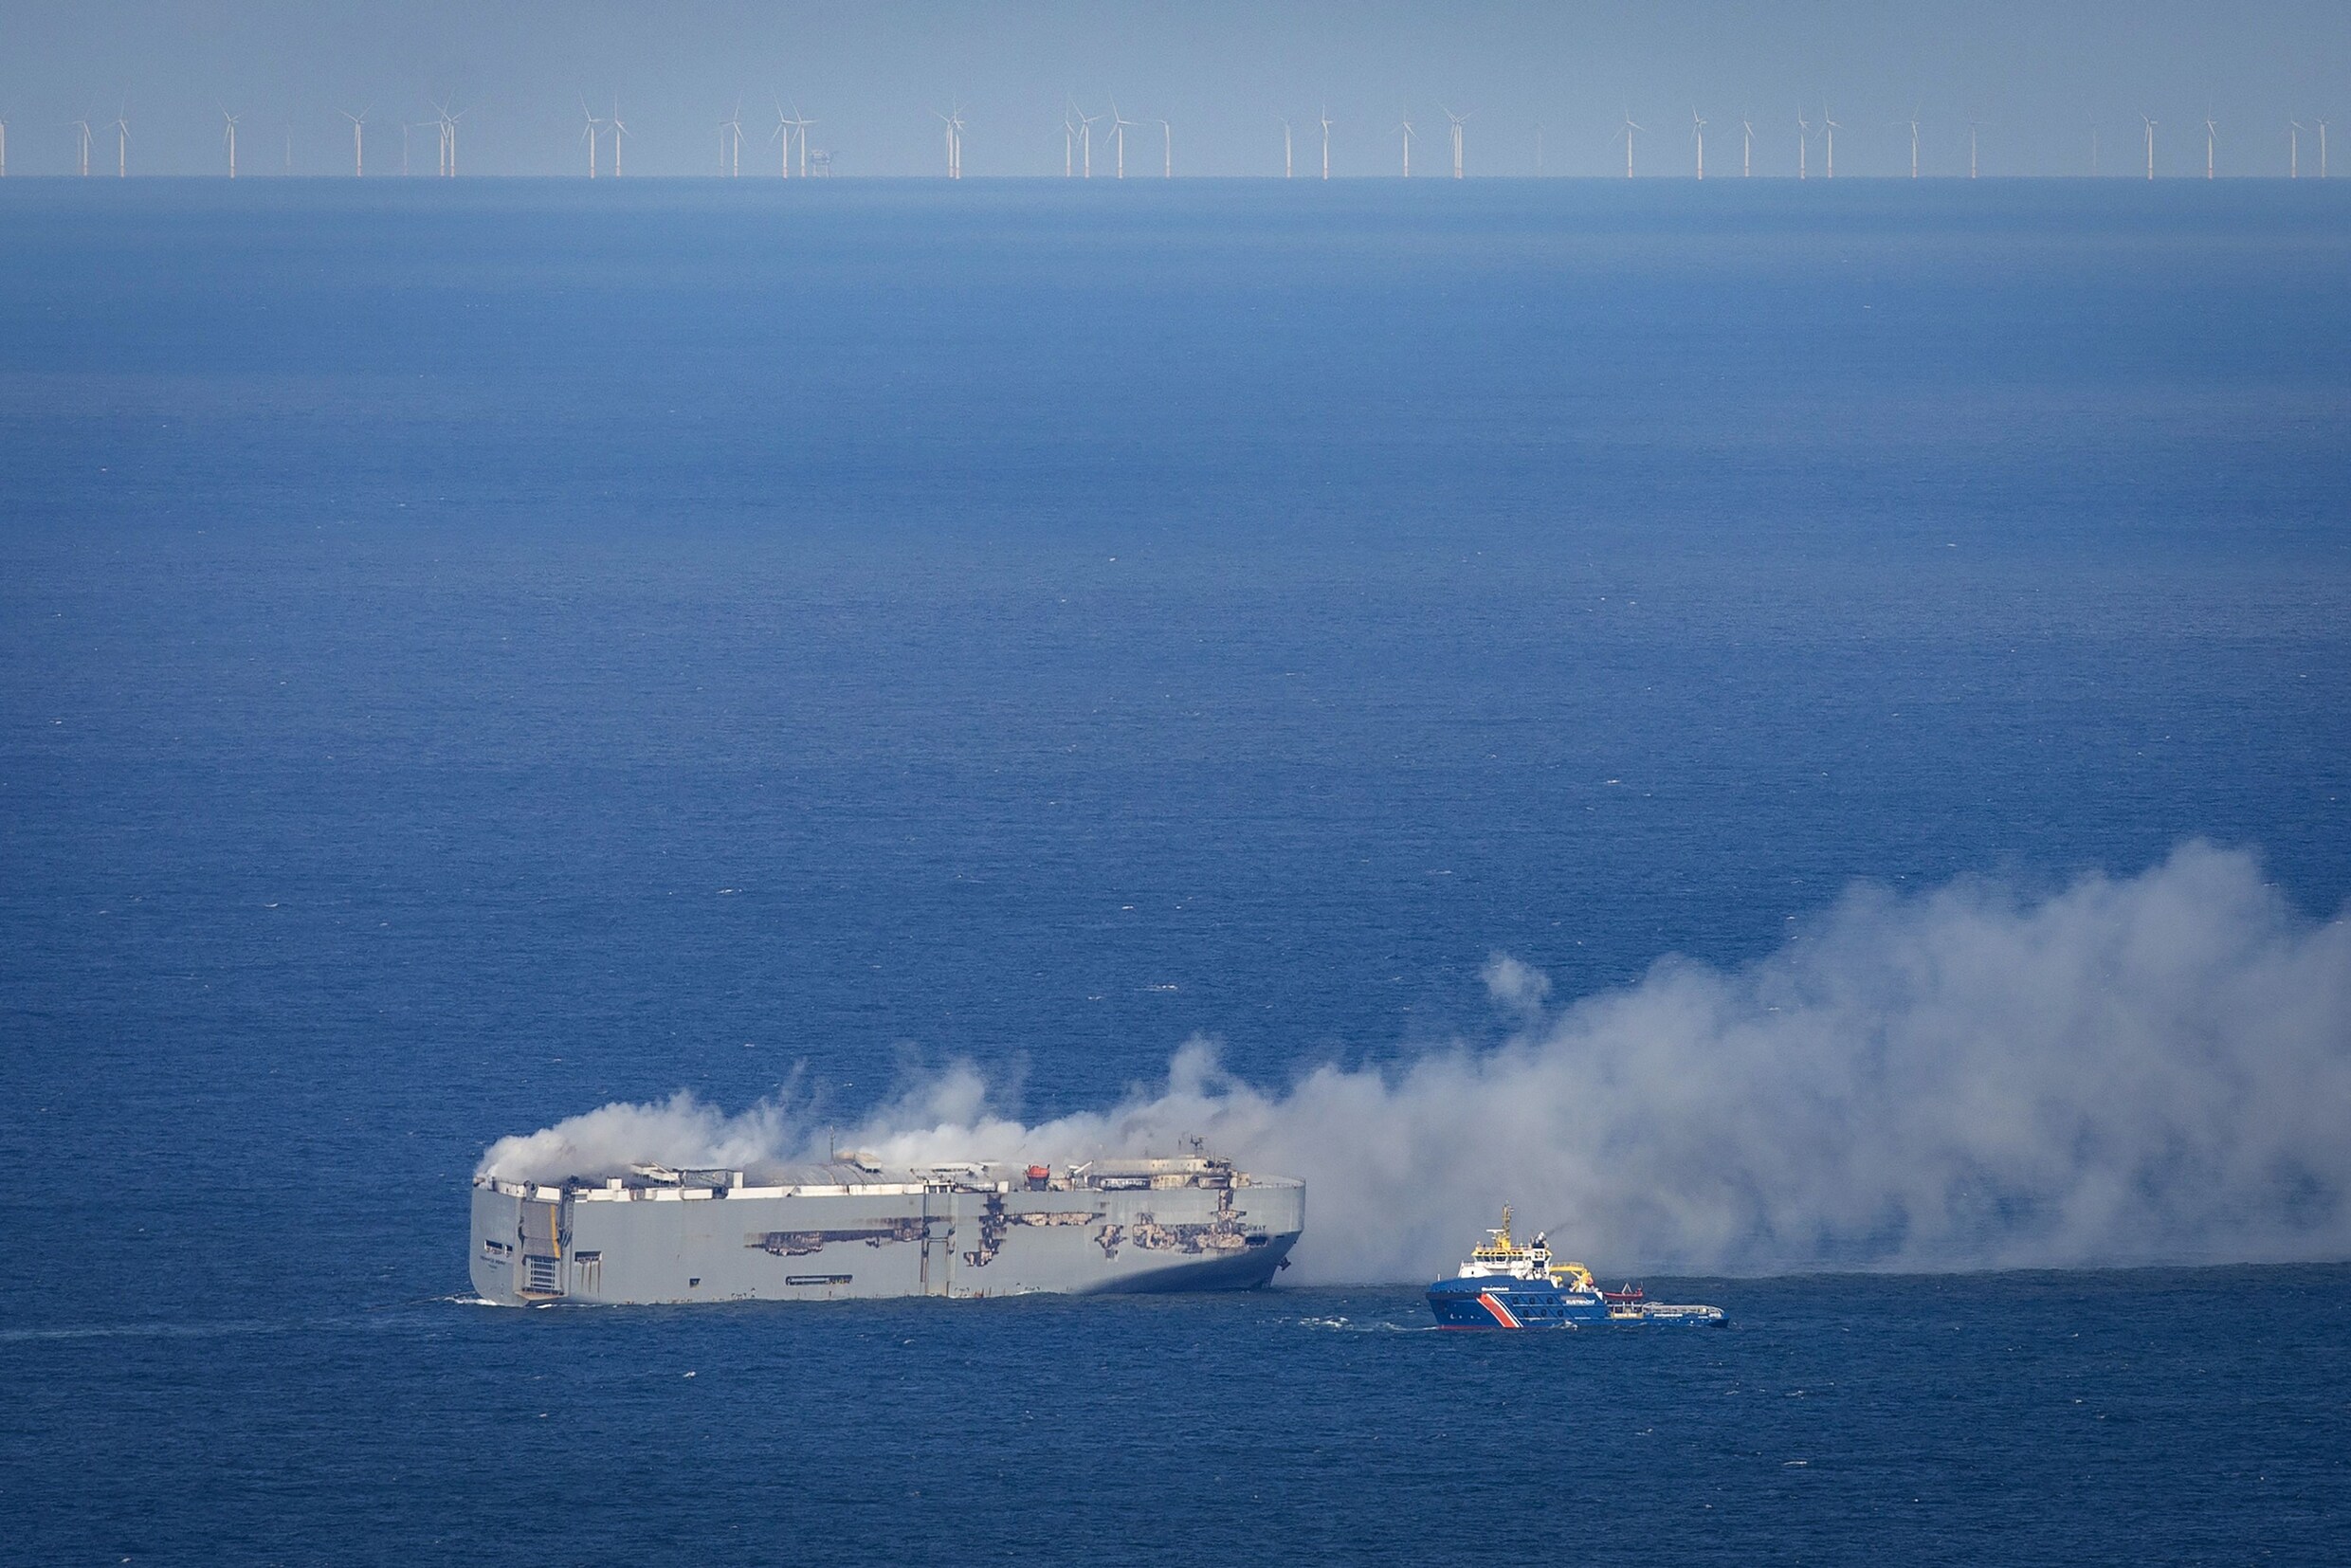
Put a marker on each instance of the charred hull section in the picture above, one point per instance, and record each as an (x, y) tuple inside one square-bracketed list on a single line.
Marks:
[(850, 1230)]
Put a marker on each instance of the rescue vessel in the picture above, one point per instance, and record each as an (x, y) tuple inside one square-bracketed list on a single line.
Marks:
[(1506, 1285)]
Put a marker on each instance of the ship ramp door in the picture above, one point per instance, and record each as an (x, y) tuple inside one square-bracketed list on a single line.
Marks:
[(542, 1231)]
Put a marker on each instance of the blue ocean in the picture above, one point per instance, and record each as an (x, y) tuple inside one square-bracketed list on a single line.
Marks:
[(1833, 700)]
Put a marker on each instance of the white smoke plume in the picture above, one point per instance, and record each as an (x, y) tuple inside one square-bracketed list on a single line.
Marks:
[(2148, 1069)]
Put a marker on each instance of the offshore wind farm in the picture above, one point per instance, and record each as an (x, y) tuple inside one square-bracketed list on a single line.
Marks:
[(1951, 149)]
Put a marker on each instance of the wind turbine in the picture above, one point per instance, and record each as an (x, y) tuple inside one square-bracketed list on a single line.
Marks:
[(2212, 134), (1404, 125), (731, 144), (358, 148), (1288, 168), (1459, 120), (1971, 147), (2293, 149), (1068, 144), (783, 134), (589, 134), (84, 126), (448, 138), (1698, 134), (1086, 143), (1118, 131), (619, 130), (1746, 148), (1804, 142), (1627, 132), (4, 146), (1914, 143), (800, 124), (952, 124), (1327, 141), (1167, 134), (2150, 147), (123, 143), (229, 134), (1828, 129)]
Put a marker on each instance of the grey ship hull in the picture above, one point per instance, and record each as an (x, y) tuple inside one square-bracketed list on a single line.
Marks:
[(837, 1232)]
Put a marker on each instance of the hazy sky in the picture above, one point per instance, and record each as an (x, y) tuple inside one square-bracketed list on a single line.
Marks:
[(2036, 72)]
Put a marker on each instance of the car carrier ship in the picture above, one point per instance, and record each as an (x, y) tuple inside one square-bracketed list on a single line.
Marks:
[(850, 1229)]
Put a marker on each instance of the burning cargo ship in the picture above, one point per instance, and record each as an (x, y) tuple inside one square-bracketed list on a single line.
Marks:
[(849, 1228)]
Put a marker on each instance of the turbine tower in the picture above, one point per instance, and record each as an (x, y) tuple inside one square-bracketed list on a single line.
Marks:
[(953, 131), (2293, 151), (1167, 150), (123, 143), (1327, 141), (589, 134), (83, 127), (1746, 148), (229, 134), (358, 146), (1118, 131), (1459, 120), (2212, 134), (798, 123), (1288, 168), (447, 123), (1698, 134), (2150, 147), (619, 130), (1627, 130), (1828, 129), (1068, 144), (1405, 126), (1971, 147), (1914, 144), (4, 148), (1804, 142), (731, 144), (1086, 143)]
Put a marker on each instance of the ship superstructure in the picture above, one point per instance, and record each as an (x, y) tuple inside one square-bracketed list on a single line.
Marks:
[(851, 1228), (1506, 1285)]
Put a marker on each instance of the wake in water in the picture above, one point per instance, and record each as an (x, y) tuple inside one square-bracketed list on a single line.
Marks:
[(2149, 1070)]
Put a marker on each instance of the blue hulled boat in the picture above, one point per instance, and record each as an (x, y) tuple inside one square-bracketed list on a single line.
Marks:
[(1506, 1285)]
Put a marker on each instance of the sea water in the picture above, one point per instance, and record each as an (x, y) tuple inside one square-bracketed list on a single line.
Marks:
[(473, 650)]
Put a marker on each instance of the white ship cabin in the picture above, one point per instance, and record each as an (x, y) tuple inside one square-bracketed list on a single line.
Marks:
[(1501, 1257)]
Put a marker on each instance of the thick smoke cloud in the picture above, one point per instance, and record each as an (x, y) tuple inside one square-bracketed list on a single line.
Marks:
[(2149, 1070)]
